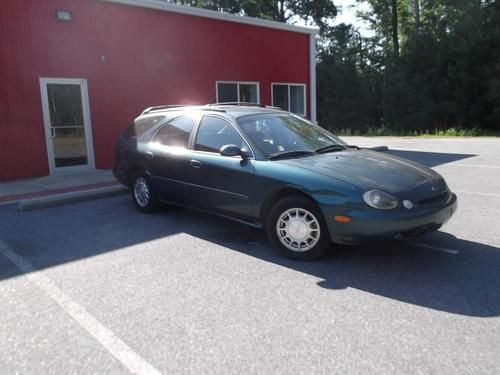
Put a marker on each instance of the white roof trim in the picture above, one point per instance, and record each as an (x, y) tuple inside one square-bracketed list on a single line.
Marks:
[(198, 12)]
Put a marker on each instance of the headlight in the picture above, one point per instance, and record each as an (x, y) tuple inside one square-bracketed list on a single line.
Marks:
[(380, 200)]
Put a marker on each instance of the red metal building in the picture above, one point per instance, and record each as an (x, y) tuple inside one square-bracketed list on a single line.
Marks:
[(73, 73)]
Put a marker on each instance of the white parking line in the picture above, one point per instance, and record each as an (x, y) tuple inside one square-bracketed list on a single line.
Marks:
[(437, 248), (477, 193), (473, 165), (121, 351)]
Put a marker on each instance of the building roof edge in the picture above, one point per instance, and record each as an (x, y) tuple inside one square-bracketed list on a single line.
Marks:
[(198, 12)]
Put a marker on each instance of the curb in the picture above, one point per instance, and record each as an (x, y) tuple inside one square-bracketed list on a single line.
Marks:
[(71, 197), (8, 199)]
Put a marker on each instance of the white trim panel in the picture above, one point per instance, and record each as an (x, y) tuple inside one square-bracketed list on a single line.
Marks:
[(198, 12), (86, 120), (312, 77)]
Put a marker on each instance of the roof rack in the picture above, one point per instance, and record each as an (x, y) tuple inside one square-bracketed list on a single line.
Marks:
[(176, 106), (243, 104), (161, 107), (207, 107)]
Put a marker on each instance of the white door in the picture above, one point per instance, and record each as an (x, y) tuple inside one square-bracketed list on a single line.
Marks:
[(66, 117)]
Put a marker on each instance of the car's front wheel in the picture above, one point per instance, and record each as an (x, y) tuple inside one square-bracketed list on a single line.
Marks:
[(295, 226), (143, 195)]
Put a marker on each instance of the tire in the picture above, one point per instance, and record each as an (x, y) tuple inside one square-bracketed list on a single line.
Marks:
[(142, 194), (297, 229)]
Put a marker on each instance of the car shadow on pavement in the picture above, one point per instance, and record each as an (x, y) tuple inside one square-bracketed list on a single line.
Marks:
[(467, 283), (430, 159)]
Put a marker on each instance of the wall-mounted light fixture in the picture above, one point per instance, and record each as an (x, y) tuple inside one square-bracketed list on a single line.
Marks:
[(64, 15)]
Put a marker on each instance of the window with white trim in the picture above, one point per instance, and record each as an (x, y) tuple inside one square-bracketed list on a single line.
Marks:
[(237, 92), (289, 96)]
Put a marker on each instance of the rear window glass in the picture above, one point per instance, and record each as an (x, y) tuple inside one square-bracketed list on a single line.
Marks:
[(139, 127), (175, 133)]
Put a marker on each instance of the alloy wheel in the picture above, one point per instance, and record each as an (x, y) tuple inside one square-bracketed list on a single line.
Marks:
[(298, 229), (142, 194)]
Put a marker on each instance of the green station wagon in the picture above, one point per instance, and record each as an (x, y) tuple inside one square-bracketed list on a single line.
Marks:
[(274, 170)]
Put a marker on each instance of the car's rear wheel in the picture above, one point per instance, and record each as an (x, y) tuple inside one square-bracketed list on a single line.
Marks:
[(143, 194), (295, 226)]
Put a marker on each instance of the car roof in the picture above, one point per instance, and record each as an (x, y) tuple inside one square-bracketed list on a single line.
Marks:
[(233, 109)]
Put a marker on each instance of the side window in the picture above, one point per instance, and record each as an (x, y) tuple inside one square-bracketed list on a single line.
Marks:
[(139, 127), (213, 133), (175, 133)]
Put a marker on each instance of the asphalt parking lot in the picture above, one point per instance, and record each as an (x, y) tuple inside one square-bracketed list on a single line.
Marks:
[(97, 287)]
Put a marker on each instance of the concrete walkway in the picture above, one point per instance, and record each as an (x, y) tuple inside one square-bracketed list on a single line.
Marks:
[(30, 188)]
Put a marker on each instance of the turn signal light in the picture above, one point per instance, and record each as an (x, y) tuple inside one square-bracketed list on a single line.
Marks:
[(342, 219)]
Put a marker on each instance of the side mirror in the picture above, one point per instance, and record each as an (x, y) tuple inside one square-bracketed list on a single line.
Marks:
[(233, 150)]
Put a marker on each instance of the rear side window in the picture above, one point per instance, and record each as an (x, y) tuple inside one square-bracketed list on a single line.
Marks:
[(175, 133), (139, 127)]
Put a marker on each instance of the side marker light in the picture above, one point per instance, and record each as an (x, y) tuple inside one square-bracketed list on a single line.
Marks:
[(342, 219)]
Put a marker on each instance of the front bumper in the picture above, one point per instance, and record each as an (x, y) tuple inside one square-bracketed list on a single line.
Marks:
[(369, 224)]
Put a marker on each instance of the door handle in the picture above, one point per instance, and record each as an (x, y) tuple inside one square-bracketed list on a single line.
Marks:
[(52, 132), (149, 154), (195, 163)]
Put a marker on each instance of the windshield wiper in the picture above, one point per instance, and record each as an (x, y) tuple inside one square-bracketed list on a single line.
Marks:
[(288, 154), (330, 148)]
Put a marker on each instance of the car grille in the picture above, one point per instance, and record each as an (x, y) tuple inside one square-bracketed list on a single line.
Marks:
[(442, 197)]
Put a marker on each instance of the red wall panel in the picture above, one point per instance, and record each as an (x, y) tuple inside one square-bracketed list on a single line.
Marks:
[(132, 58)]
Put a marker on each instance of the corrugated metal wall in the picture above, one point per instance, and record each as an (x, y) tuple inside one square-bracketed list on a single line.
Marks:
[(132, 58)]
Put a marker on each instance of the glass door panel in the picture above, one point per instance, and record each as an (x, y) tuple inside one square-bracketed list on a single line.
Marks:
[(66, 117), (67, 125)]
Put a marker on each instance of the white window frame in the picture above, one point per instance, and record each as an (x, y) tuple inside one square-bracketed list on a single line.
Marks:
[(238, 83), (290, 85), (82, 82)]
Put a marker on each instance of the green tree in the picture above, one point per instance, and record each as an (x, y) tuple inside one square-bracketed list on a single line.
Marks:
[(348, 81), (319, 12), (429, 63)]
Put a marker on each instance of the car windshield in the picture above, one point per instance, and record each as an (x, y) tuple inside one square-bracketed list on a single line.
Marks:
[(275, 134)]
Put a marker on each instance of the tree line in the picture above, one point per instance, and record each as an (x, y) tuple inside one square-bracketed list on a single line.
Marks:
[(426, 65)]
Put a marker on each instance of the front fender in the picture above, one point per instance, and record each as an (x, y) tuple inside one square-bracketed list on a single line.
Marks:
[(274, 180)]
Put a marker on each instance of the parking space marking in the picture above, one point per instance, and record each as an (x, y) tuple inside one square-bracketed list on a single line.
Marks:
[(473, 165), (477, 193), (116, 347), (437, 248)]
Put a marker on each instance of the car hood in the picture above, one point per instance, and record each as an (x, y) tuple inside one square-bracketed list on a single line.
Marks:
[(368, 169)]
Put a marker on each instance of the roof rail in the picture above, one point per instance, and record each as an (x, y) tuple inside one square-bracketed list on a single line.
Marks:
[(176, 106), (161, 107), (207, 107), (245, 104), (210, 109)]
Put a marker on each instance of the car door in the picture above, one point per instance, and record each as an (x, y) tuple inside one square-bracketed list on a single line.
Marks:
[(220, 183), (169, 159)]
